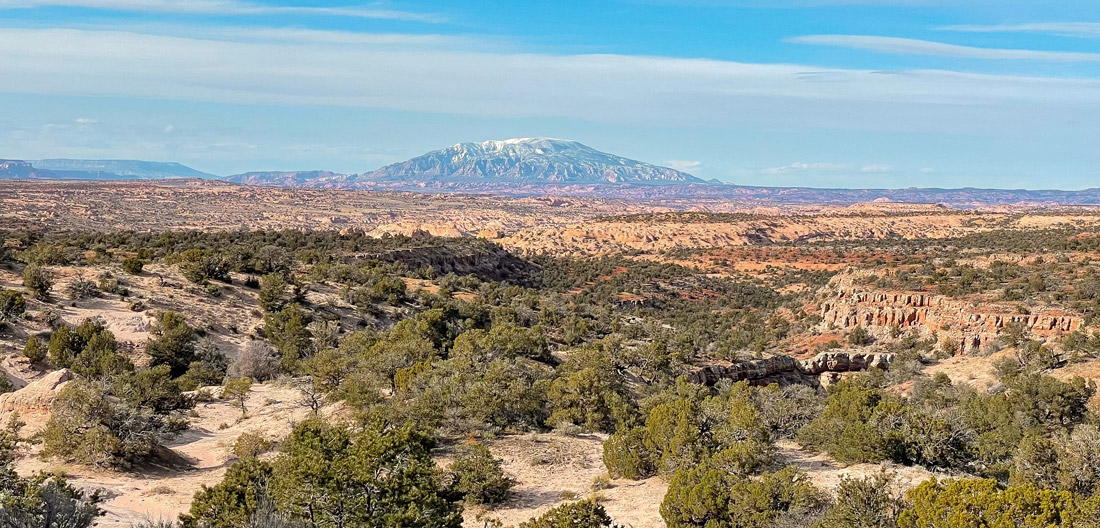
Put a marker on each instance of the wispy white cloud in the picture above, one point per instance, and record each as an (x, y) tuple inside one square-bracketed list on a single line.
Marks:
[(825, 167), (1065, 29), (800, 166), (337, 69), (795, 4), (684, 165), (906, 46), (223, 7)]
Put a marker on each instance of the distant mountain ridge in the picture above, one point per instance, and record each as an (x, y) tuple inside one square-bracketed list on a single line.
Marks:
[(10, 169), (118, 169), (315, 178), (538, 166)]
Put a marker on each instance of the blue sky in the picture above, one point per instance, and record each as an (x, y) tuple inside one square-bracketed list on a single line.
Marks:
[(831, 93)]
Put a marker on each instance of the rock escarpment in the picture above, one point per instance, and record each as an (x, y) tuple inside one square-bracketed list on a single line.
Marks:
[(786, 369), (970, 323), (466, 257)]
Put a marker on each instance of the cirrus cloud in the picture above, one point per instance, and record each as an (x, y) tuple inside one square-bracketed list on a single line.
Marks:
[(331, 69), (907, 46), (1065, 29), (222, 7)]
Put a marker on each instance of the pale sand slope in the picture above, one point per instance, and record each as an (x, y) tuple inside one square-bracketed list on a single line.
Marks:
[(164, 493)]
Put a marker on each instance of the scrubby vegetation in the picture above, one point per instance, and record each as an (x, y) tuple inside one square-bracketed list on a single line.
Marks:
[(415, 355)]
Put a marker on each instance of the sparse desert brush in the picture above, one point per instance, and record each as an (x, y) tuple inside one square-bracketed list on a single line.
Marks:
[(108, 283), (133, 265), (35, 350), (479, 477), (81, 288), (12, 307), (257, 361), (38, 281), (250, 445), (160, 490), (237, 391)]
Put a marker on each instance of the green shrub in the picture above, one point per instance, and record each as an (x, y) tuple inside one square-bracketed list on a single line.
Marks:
[(479, 477), (849, 427), (89, 349), (173, 343), (34, 350), (371, 477), (12, 305), (687, 425), (232, 502), (37, 280), (706, 496), (209, 368), (586, 513), (867, 502), (89, 426), (200, 266), (288, 333), (273, 293), (237, 391), (45, 501), (45, 255), (251, 445), (859, 336), (133, 265), (625, 455), (974, 502), (590, 392)]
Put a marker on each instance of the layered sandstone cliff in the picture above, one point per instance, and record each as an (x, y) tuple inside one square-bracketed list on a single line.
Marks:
[(971, 323)]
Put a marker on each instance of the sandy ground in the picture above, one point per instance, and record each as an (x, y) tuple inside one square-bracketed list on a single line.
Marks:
[(552, 467), (976, 371), (164, 493), (826, 473)]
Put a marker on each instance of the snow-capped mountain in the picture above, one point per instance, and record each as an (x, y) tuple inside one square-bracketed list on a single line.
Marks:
[(525, 161)]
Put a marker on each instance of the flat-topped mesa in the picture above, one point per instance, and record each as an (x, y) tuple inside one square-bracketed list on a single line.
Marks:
[(971, 324), (783, 368)]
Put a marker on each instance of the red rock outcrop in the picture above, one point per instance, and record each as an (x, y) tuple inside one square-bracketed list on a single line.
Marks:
[(973, 324)]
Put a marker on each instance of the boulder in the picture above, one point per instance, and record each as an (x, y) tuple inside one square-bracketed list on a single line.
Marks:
[(34, 401)]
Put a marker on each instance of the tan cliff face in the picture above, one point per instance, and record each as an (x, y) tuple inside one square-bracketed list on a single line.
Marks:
[(971, 323)]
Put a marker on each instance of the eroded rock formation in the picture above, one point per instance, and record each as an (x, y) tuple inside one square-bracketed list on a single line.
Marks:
[(970, 323), (787, 369), (33, 402)]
